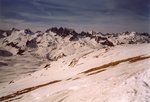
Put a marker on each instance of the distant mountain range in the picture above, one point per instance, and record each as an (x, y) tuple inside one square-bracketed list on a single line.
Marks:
[(56, 42)]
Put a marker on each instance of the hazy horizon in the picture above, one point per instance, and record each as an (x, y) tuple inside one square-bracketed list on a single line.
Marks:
[(98, 15)]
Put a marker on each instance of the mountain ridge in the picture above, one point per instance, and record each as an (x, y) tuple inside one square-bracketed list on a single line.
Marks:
[(56, 42)]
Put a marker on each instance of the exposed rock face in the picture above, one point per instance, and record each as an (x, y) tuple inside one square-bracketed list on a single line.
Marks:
[(3, 64), (20, 52), (107, 42), (63, 32), (14, 29), (28, 31), (60, 42), (12, 44), (5, 53), (32, 43), (4, 33)]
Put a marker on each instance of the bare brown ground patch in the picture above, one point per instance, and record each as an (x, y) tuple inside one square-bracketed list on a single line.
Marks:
[(26, 90), (96, 72), (84, 55), (111, 64), (68, 79), (73, 62), (73, 78), (14, 99), (138, 59), (61, 100), (76, 78), (104, 67)]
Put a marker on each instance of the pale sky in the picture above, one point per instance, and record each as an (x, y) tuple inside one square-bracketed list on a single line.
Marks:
[(98, 15)]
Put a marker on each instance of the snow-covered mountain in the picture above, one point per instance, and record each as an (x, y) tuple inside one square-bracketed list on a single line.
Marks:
[(59, 42), (61, 65)]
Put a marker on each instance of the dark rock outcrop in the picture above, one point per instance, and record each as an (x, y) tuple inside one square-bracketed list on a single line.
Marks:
[(14, 29), (107, 42), (7, 32), (32, 43), (20, 52), (3, 64), (12, 45), (28, 31), (5, 53), (63, 32)]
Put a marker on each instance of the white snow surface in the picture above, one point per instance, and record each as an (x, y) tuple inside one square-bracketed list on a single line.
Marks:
[(123, 82)]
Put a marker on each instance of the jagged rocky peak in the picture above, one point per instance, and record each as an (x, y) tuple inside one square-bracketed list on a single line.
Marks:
[(94, 33), (2, 35), (74, 36), (5, 33), (127, 33), (63, 32), (15, 29), (38, 31), (143, 34), (28, 31)]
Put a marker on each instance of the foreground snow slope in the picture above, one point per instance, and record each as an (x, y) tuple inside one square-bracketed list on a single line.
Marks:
[(118, 74)]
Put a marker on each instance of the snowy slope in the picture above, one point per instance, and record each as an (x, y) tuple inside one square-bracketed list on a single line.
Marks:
[(116, 74), (61, 65)]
